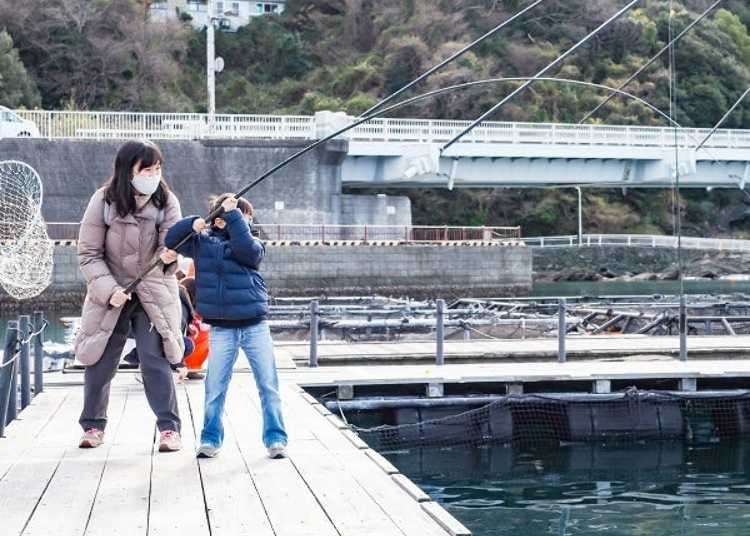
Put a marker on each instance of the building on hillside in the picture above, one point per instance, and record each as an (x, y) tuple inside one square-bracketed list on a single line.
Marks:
[(230, 14)]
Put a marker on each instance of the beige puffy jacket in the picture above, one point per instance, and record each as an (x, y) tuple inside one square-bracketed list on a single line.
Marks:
[(111, 257)]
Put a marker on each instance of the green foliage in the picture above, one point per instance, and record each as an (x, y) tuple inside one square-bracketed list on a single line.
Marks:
[(17, 89), (348, 54)]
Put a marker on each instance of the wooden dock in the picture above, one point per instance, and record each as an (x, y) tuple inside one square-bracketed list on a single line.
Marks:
[(331, 485), (503, 350)]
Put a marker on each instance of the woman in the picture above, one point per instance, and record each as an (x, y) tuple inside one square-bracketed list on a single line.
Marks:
[(122, 230)]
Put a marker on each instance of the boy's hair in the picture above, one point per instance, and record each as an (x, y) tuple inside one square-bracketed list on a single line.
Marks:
[(243, 204)]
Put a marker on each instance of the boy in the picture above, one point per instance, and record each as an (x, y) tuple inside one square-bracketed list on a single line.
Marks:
[(231, 297)]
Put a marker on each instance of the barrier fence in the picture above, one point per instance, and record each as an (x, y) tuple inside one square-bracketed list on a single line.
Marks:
[(188, 126), (16, 386), (358, 233)]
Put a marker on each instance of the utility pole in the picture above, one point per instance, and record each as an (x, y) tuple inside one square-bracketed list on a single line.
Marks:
[(211, 65), (580, 217)]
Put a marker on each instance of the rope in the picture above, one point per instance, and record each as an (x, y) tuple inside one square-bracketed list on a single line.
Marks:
[(12, 359), (28, 339)]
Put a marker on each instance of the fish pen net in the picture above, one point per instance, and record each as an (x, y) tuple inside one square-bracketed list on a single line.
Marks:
[(532, 419)]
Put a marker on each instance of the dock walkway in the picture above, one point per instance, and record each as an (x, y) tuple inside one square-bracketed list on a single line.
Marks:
[(489, 350), (331, 485)]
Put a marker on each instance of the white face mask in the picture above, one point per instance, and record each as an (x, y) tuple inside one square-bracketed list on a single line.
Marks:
[(147, 184)]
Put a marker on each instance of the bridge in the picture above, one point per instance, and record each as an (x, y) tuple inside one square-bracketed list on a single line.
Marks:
[(405, 152)]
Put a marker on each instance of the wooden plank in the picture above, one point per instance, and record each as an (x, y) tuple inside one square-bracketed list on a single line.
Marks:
[(278, 482), (121, 506), (234, 506), (21, 433), (373, 478), (177, 502), (403, 510), (446, 520), (33, 467), (65, 507), (386, 466), (414, 491), (350, 508)]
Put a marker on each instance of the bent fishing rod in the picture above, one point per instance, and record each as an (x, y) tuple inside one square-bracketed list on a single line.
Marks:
[(655, 57), (412, 100), (369, 114)]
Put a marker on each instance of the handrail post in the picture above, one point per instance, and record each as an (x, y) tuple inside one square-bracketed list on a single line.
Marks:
[(24, 329), (38, 325), (561, 329), (8, 386), (314, 314), (440, 333), (6, 374)]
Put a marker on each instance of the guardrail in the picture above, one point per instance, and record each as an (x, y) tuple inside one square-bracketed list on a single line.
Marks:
[(640, 241), (175, 126), (15, 366), (357, 233)]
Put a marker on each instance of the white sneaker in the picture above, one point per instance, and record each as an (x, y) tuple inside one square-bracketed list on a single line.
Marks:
[(276, 451), (207, 451)]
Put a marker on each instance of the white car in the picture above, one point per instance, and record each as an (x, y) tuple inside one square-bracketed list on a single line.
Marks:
[(12, 126)]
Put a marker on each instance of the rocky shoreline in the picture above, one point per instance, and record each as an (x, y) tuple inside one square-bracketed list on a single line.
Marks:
[(623, 265)]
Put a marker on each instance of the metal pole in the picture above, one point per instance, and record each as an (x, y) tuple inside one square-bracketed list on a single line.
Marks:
[(12, 405), (6, 375), (24, 327), (683, 329), (211, 65), (580, 217), (561, 357), (38, 352), (440, 333), (314, 313)]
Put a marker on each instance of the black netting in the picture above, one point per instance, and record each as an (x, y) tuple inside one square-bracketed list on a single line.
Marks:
[(543, 419)]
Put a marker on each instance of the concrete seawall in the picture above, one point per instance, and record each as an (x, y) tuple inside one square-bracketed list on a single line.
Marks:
[(422, 271), (307, 191)]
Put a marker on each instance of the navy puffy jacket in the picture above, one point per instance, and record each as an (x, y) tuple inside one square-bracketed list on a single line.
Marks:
[(228, 285)]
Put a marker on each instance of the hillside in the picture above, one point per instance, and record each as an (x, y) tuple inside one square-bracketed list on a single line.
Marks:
[(346, 54)]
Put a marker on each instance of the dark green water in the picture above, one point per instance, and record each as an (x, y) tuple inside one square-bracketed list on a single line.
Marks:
[(659, 488)]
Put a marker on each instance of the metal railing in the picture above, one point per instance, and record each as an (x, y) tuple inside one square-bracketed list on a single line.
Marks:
[(15, 366), (186, 126), (638, 241), (119, 125), (356, 233)]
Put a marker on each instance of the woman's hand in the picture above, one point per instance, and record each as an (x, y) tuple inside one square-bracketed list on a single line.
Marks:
[(199, 225), (230, 203), (119, 298), (168, 256)]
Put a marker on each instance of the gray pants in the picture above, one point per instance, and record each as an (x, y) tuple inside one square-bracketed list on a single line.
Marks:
[(157, 374)]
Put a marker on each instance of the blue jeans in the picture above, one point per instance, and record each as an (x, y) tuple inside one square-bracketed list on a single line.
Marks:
[(224, 345)]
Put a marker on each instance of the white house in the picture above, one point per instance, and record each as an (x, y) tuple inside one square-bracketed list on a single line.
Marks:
[(229, 14)]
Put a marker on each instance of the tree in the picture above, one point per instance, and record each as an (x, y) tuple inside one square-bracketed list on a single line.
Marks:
[(96, 54), (17, 89)]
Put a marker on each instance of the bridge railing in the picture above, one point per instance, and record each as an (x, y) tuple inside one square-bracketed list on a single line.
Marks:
[(119, 125), (359, 233), (640, 241), (186, 126)]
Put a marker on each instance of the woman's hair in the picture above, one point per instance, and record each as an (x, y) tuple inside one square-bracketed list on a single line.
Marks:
[(119, 190), (243, 204)]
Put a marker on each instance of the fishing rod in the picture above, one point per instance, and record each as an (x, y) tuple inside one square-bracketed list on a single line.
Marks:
[(368, 115), (541, 73), (721, 121), (452, 58), (407, 102), (650, 62)]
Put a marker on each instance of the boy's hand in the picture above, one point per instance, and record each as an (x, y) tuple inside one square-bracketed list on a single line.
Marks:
[(168, 256), (199, 225), (230, 203)]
